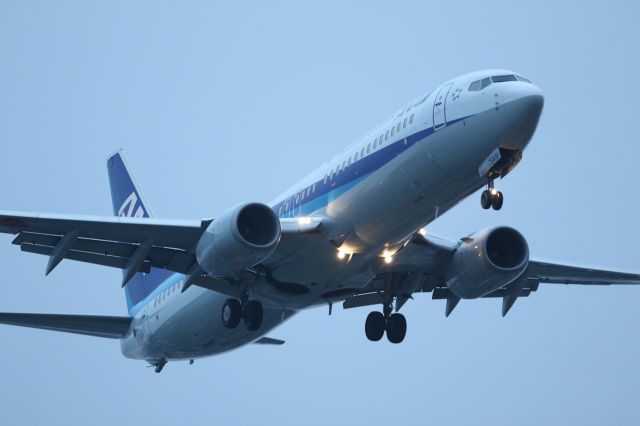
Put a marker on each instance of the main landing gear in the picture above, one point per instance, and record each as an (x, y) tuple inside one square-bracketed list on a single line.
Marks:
[(377, 323), (491, 197), (250, 311)]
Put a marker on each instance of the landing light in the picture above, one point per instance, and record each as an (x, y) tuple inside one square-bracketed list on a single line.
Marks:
[(388, 259), (341, 254), (422, 231), (304, 220), (494, 191)]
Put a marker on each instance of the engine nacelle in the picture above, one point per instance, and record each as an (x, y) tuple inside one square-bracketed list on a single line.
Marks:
[(239, 238), (486, 261)]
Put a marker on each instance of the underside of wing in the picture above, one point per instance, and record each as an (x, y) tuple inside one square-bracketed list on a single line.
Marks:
[(547, 272), (137, 244), (90, 325)]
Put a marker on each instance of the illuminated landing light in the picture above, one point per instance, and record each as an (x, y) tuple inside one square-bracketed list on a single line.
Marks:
[(388, 259), (341, 255), (494, 191), (304, 220), (422, 231)]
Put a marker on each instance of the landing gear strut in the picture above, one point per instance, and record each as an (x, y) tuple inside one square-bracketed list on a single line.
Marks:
[(377, 323), (250, 311), (491, 197)]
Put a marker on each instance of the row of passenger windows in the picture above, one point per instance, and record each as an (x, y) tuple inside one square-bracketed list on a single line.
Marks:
[(298, 199), (481, 84), (371, 146), (166, 293)]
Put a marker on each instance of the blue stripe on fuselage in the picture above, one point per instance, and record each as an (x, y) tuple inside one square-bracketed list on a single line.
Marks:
[(325, 192)]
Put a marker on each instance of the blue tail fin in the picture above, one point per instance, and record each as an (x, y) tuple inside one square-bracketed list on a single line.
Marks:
[(128, 201)]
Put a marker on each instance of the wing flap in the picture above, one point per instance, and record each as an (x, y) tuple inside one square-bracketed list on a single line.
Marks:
[(89, 325)]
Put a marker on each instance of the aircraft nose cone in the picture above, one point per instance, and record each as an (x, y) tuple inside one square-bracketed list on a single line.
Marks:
[(523, 111)]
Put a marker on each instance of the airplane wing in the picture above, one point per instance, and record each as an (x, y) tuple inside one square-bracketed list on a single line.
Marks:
[(431, 251), (418, 267), (564, 274), (90, 325), (134, 244), (108, 241)]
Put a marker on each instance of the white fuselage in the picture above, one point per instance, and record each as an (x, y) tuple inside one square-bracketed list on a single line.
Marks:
[(373, 197)]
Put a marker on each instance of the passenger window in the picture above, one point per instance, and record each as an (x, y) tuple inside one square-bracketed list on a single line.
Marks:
[(380, 139), (398, 127), (404, 123), (411, 119), (386, 135), (362, 153), (393, 130), (344, 164), (313, 189), (368, 148)]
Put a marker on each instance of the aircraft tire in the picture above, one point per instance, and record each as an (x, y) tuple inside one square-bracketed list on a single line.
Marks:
[(374, 326), (231, 313), (485, 199), (396, 328), (497, 200), (253, 314)]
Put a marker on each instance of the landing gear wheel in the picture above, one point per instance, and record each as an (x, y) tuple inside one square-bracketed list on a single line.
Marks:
[(485, 199), (497, 200), (396, 328), (231, 313), (252, 315), (374, 326)]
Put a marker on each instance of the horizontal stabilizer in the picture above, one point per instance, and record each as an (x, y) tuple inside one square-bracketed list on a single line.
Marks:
[(90, 325)]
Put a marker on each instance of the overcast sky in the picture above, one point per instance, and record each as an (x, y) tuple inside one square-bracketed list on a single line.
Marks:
[(218, 104)]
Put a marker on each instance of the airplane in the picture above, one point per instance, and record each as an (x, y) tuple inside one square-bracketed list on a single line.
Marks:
[(352, 232)]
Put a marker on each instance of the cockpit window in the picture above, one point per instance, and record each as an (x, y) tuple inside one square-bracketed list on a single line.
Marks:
[(479, 85), (503, 78), (521, 78)]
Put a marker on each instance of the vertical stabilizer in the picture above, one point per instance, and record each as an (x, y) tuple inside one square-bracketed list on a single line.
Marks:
[(128, 201)]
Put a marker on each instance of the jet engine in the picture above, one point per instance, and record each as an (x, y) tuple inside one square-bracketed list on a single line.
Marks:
[(486, 261), (241, 237)]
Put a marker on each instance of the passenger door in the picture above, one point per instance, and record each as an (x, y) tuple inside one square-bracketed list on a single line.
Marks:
[(440, 107)]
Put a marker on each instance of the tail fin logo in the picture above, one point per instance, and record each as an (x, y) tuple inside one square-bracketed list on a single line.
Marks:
[(129, 206)]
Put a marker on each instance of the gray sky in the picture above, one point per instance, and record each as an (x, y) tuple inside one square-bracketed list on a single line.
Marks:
[(217, 104)]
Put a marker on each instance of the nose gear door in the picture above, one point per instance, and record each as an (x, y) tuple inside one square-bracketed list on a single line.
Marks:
[(440, 107)]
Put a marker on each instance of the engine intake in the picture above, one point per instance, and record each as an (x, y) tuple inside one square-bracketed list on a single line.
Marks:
[(239, 238), (486, 261)]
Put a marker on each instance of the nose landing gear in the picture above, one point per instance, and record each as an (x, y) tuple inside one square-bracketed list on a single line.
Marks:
[(491, 198)]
